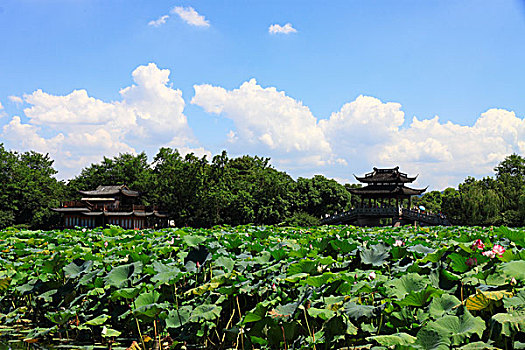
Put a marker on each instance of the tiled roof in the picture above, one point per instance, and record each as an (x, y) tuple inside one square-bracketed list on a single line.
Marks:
[(111, 190)]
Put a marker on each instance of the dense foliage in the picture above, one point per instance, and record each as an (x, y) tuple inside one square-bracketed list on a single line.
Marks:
[(266, 287), (28, 189), (498, 200), (198, 192)]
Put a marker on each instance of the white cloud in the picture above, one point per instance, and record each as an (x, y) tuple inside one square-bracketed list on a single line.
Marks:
[(278, 29), (15, 99), (364, 133), (158, 22), (148, 116), (190, 16), (267, 122)]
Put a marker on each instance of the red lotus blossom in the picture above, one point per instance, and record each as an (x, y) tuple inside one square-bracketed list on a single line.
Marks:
[(489, 253), (499, 250), (478, 244)]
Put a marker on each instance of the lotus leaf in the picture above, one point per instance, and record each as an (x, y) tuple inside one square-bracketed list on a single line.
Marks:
[(394, 339), (375, 255)]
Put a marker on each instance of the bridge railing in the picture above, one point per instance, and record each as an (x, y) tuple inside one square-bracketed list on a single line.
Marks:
[(404, 213)]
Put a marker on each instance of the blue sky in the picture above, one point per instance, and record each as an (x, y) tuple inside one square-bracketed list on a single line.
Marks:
[(335, 96)]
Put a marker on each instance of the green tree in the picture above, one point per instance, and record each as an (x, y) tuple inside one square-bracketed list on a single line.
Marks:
[(127, 169), (319, 196), (28, 190)]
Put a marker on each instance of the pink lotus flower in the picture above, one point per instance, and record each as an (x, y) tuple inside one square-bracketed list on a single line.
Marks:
[(398, 243), (478, 244), (198, 264), (274, 287), (499, 250), (106, 244), (471, 262), (489, 253), (372, 275), (311, 247)]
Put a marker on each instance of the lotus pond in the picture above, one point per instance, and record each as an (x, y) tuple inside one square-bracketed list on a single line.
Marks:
[(264, 288)]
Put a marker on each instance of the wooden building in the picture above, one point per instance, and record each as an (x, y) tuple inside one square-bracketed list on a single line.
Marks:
[(386, 186), (386, 196), (111, 205)]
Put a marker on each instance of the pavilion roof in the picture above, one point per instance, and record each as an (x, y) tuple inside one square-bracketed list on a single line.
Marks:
[(387, 191), (386, 175), (110, 190)]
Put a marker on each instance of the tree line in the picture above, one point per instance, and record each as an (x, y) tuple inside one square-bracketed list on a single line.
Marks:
[(199, 192)]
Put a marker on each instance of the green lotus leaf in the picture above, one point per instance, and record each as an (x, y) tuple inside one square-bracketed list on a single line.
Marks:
[(357, 311), (420, 298), (99, 320), (344, 245), (429, 339), (411, 282), (284, 311), (225, 262), (126, 293), (109, 332), (193, 240), (323, 314), (458, 262), (514, 269), (73, 270), (164, 273), (421, 249), (511, 323), (147, 298), (375, 255), (443, 304), (279, 254), (516, 302), (208, 312), (479, 345), (303, 266), (459, 328), (123, 274), (179, 317), (394, 339), (60, 317), (318, 281)]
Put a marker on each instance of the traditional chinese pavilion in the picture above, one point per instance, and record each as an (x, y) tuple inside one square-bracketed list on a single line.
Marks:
[(111, 205), (386, 199), (385, 186)]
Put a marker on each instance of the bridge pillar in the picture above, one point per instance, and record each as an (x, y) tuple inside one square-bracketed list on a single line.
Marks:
[(368, 221)]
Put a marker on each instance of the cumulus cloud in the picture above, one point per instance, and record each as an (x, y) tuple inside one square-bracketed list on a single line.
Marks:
[(15, 99), (149, 115), (190, 16), (364, 133), (278, 29), (267, 122), (159, 21)]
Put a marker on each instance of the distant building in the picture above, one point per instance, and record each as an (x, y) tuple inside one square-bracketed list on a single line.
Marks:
[(386, 186), (386, 196), (111, 205)]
